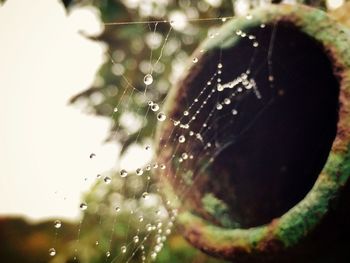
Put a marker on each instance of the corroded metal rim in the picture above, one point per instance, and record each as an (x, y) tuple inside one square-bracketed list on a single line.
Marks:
[(298, 222)]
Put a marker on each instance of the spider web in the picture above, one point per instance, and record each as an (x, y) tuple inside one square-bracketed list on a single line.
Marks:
[(132, 220)]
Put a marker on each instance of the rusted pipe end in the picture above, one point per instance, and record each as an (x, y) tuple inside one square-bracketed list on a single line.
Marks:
[(280, 165)]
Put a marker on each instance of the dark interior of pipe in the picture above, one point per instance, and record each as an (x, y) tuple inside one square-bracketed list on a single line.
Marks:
[(269, 156)]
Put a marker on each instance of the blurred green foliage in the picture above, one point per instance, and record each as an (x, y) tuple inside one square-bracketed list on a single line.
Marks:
[(135, 49)]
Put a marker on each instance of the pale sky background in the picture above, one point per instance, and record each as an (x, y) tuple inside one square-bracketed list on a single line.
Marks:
[(44, 142)]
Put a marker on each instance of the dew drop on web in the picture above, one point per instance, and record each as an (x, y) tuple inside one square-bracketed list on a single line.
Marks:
[(57, 224), (52, 252), (139, 171), (161, 116), (182, 139), (148, 79), (83, 206), (107, 179), (123, 173), (123, 249), (155, 107)]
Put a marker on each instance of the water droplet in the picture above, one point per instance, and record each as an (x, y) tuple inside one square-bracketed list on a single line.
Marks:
[(219, 87), (271, 78), (57, 224), (182, 139), (186, 113), (234, 112), (249, 16), (150, 103), (155, 107), (255, 44), (184, 156), (123, 173), (219, 106), (52, 252), (161, 116), (149, 227), (92, 155), (148, 79), (139, 171), (117, 209), (141, 218), (262, 25), (144, 195), (186, 126), (157, 248), (98, 176), (83, 206), (195, 60), (136, 239), (123, 249), (176, 123), (96, 243), (162, 166), (153, 255), (199, 137), (148, 167), (108, 254), (227, 101), (147, 148), (107, 180), (115, 109), (223, 19), (219, 65)]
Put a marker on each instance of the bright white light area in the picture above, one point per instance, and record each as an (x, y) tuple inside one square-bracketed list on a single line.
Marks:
[(44, 143), (136, 157), (241, 7), (85, 20), (214, 3), (178, 20), (334, 4)]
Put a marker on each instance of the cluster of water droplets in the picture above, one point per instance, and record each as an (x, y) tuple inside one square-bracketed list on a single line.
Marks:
[(153, 231)]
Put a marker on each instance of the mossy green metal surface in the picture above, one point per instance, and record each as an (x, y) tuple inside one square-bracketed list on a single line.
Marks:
[(286, 232)]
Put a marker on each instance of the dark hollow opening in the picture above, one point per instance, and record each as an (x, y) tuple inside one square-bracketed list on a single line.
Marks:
[(268, 156)]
